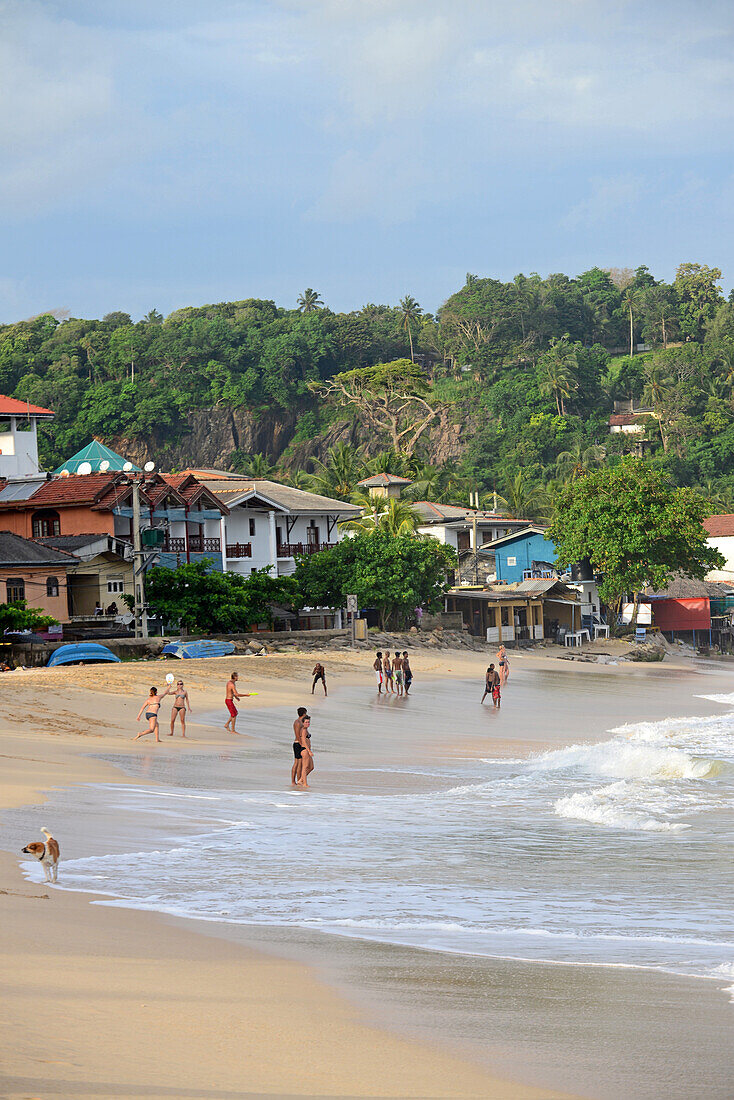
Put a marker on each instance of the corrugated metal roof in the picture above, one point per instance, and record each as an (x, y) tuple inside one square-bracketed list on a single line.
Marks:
[(15, 550)]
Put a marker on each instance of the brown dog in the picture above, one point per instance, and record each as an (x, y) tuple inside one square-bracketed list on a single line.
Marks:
[(47, 853)]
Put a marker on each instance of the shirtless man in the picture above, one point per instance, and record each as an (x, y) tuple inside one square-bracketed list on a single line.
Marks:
[(306, 751), (319, 673), (492, 686), (397, 668), (296, 769), (377, 666), (229, 699), (387, 672)]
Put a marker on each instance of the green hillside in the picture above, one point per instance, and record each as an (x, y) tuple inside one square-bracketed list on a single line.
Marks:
[(523, 376)]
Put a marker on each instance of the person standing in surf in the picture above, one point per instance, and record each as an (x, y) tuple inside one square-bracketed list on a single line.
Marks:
[(387, 672), (407, 672), (492, 685), (377, 666), (296, 769), (504, 665), (304, 738)]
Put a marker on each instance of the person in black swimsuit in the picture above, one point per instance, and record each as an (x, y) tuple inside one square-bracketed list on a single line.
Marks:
[(296, 769), (151, 706), (306, 752)]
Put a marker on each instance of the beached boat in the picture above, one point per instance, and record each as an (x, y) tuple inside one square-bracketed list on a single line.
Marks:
[(79, 653), (198, 648)]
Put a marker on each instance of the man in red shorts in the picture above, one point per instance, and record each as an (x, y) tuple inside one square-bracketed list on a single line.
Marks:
[(229, 699)]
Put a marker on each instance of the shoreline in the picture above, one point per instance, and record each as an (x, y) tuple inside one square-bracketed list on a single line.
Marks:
[(67, 971), (454, 1065)]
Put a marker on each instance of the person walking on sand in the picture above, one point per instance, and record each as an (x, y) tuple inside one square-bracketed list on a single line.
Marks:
[(229, 699), (377, 666), (504, 664), (296, 769), (387, 672), (181, 703), (407, 672), (151, 706), (319, 673), (397, 669), (492, 685), (307, 764)]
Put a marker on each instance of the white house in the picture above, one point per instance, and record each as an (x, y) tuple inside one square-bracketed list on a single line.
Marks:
[(270, 523), (720, 531), (454, 525)]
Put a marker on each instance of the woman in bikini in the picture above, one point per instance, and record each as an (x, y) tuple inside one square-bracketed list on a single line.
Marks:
[(504, 665), (151, 706), (181, 702)]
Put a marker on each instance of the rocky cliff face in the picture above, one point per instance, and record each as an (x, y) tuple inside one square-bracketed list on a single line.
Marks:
[(211, 435)]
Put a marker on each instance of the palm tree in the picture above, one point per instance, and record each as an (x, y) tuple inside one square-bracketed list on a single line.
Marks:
[(725, 358), (580, 458), (257, 466), (396, 517), (426, 484), (657, 393), (339, 474), (410, 313), (309, 301), (557, 372), (522, 499), (630, 300), (389, 462)]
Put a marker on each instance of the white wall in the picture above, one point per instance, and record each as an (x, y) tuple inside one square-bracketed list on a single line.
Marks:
[(726, 546), (19, 450), (237, 529)]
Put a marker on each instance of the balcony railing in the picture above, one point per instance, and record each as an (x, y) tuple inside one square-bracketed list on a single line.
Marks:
[(197, 545), (290, 549), (239, 550)]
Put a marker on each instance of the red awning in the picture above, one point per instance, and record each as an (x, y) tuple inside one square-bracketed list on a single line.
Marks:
[(692, 613)]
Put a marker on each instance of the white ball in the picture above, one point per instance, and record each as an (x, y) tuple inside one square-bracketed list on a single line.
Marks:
[(170, 678)]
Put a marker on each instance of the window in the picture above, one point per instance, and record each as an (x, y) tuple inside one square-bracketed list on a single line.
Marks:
[(16, 589), (52, 586), (462, 540), (252, 526), (512, 561), (46, 525), (312, 534), (115, 585)]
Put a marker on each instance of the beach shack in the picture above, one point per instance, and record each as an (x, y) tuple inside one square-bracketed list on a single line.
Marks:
[(687, 607), (521, 555), (524, 611)]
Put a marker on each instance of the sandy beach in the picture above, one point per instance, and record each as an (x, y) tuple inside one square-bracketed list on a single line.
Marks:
[(108, 1001)]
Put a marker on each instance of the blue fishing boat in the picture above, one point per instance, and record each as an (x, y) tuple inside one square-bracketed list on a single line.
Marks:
[(200, 648), (79, 653)]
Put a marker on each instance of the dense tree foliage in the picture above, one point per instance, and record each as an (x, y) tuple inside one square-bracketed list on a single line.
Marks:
[(514, 374), (394, 573), (634, 526), (195, 599)]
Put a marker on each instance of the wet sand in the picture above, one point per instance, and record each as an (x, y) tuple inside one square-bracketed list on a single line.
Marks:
[(149, 1005)]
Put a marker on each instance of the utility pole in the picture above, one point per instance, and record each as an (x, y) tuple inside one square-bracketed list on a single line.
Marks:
[(474, 500), (141, 618)]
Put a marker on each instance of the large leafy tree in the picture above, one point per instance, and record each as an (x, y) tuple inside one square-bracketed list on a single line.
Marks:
[(391, 398), (393, 573), (198, 599), (696, 286), (635, 527)]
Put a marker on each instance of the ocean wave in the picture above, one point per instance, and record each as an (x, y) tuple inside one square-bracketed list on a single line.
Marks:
[(606, 806), (622, 760)]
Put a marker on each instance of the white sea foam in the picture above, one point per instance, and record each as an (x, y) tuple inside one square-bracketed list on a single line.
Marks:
[(617, 759), (610, 806)]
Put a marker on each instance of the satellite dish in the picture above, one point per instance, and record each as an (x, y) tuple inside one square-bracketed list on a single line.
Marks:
[(85, 468), (64, 473), (149, 467), (127, 467), (104, 465)]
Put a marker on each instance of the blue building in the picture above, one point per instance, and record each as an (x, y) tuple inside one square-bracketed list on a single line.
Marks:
[(520, 553)]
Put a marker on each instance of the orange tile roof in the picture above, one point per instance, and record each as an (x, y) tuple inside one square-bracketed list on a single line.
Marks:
[(75, 489), (720, 526), (11, 406)]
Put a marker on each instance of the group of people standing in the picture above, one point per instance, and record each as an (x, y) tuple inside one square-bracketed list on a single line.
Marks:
[(395, 675), (495, 680)]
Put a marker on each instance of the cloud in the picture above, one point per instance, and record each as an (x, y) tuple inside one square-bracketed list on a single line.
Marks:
[(608, 198)]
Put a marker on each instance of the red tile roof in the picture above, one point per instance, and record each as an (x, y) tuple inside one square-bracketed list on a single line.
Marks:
[(11, 406), (618, 419), (75, 489), (720, 526), (384, 479)]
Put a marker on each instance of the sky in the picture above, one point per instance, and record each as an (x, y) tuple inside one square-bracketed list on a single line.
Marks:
[(170, 153)]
